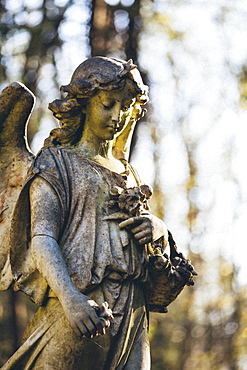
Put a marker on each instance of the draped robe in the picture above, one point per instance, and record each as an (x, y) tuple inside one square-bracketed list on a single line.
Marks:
[(102, 261)]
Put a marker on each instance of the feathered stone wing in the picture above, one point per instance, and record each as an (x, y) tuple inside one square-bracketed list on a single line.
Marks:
[(16, 103)]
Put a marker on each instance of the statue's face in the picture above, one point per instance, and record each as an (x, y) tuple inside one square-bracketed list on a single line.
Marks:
[(108, 112)]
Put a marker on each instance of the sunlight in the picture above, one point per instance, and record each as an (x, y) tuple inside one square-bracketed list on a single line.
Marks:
[(210, 118)]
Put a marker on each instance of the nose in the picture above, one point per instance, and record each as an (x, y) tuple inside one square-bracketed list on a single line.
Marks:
[(116, 112)]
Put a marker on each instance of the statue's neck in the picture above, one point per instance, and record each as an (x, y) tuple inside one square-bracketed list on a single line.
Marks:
[(91, 149), (101, 154), (93, 145)]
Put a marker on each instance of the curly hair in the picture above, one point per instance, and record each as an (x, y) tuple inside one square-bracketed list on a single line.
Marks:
[(96, 73)]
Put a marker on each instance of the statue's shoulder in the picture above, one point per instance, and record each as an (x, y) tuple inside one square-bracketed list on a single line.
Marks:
[(63, 164), (48, 157), (59, 162)]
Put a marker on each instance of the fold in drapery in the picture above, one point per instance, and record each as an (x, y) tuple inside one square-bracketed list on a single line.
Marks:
[(99, 263), (50, 343)]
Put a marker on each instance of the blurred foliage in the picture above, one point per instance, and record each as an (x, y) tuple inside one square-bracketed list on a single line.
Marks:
[(115, 28), (29, 42), (204, 327), (41, 43), (16, 310)]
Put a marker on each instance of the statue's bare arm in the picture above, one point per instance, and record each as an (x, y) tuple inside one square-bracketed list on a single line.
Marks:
[(47, 255)]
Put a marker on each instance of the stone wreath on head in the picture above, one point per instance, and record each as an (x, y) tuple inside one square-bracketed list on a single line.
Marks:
[(96, 73)]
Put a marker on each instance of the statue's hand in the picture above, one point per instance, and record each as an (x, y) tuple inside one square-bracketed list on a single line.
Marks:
[(145, 228), (82, 313)]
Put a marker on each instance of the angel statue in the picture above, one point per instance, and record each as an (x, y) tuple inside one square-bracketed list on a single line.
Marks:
[(77, 235)]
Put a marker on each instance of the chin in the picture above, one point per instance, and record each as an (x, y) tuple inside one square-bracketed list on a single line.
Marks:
[(111, 136), (108, 138)]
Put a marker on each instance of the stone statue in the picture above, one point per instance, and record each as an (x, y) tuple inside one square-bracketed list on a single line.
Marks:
[(83, 244)]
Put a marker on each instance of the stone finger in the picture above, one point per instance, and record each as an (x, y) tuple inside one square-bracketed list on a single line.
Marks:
[(145, 240), (81, 329), (129, 221), (141, 235)]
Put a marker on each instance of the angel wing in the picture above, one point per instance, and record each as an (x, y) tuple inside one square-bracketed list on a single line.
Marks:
[(16, 104)]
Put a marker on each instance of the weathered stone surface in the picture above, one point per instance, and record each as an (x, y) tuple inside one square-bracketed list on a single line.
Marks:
[(83, 244), (16, 103)]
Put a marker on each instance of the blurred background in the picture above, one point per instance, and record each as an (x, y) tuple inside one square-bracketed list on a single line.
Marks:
[(191, 147)]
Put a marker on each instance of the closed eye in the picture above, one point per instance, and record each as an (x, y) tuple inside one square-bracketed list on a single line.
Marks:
[(106, 103), (108, 106)]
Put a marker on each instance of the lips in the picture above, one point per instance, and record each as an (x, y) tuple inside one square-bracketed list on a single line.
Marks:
[(113, 127)]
